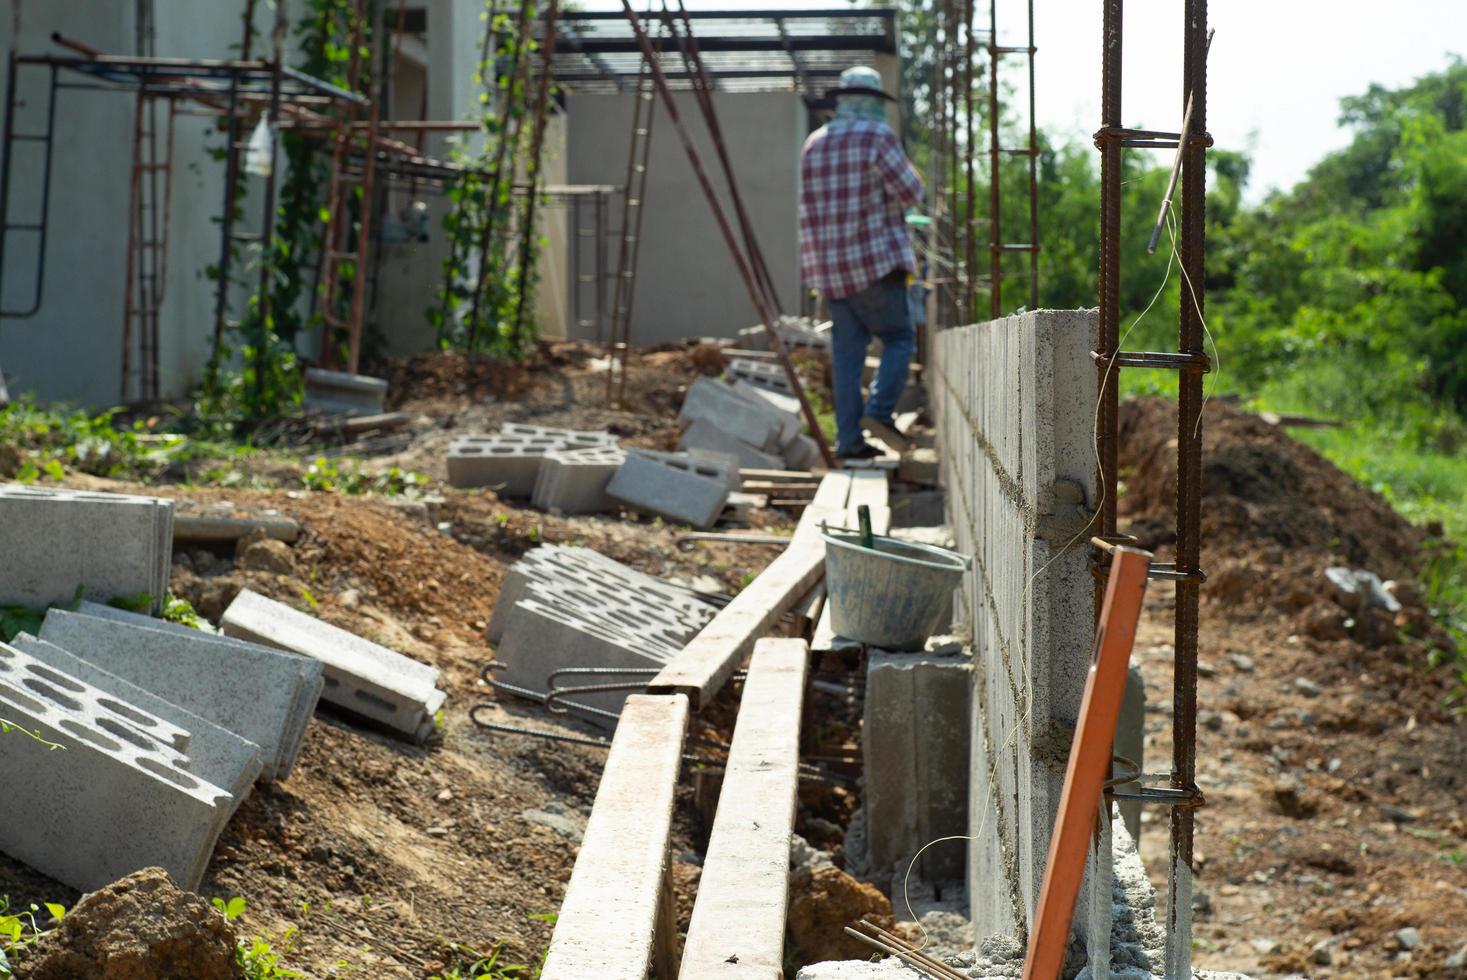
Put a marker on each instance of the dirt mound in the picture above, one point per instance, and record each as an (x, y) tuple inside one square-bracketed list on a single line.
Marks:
[(139, 928), (1260, 488), (824, 902)]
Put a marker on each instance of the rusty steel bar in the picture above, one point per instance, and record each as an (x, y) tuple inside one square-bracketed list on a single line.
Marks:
[(970, 209), (1110, 264), (1089, 765), (1189, 485), (695, 160), (995, 202), (1171, 184), (1033, 173)]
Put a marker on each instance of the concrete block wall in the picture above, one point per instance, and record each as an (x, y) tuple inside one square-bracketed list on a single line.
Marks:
[(1014, 401)]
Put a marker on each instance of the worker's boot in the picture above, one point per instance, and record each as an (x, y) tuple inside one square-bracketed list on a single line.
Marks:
[(887, 433)]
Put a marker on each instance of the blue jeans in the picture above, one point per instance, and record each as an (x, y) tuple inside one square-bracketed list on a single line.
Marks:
[(881, 310)]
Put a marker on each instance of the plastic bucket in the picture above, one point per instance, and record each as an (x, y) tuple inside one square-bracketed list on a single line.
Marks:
[(890, 596)]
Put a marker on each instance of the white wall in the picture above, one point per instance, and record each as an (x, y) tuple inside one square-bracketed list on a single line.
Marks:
[(687, 283), (72, 349)]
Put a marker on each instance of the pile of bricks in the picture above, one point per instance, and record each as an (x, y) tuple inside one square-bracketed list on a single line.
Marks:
[(511, 459), (574, 607)]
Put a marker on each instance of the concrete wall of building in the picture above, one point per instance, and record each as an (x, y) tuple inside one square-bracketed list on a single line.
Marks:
[(72, 349), (687, 283), (1014, 401)]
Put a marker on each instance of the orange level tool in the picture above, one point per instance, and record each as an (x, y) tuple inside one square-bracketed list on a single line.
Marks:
[(1090, 764)]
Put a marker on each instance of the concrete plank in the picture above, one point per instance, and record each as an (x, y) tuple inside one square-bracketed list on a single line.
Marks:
[(607, 926), (706, 663), (738, 922)]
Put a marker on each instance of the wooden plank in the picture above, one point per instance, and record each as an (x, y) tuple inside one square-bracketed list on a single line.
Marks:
[(705, 664), (758, 474), (607, 926), (1089, 765), (738, 923), (870, 487)]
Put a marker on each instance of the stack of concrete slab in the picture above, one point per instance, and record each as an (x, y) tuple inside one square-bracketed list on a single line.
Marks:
[(510, 460), (338, 392), (761, 374), (676, 486), (110, 545), (360, 676), (574, 481), (262, 695), (125, 794), (574, 607)]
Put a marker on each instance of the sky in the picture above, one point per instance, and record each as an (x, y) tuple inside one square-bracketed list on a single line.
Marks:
[(1277, 71)]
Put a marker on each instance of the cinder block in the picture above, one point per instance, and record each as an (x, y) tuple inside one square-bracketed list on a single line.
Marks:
[(791, 420), (570, 438), (216, 755), (916, 775), (509, 463), (599, 583), (338, 391), (574, 480), (55, 540), (706, 435), (727, 463), (678, 488), (114, 802), (802, 454), (761, 374), (542, 636), (361, 676), (755, 423), (263, 695), (919, 466)]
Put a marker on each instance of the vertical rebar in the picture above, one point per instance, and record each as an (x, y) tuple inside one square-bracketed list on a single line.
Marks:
[(995, 166), (970, 212), (532, 177), (1033, 174), (1189, 482), (1110, 263)]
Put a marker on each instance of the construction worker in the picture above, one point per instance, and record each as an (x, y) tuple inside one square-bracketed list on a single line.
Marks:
[(856, 184)]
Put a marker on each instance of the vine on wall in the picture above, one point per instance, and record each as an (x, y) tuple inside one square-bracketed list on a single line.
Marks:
[(490, 269)]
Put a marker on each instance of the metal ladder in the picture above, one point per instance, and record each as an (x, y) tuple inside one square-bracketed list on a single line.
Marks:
[(644, 103), (997, 247), (8, 225), (346, 243)]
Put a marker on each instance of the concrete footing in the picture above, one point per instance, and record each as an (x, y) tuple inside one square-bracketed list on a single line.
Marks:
[(916, 776)]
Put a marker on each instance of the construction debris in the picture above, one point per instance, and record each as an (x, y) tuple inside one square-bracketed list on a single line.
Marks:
[(573, 481), (361, 676)]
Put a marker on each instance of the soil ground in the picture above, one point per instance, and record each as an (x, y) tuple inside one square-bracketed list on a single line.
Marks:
[(1334, 774)]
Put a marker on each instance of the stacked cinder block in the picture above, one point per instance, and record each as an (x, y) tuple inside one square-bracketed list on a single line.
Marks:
[(338, 392), (263, 695), (122, 796), (708, 437), (1014, 401), (510, 460), (360, 676), (796, 331), (574, 607), (110, 545), (574, 481), (675, 486)]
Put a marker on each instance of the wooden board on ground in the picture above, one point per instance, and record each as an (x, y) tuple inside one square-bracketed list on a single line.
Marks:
[(738, 923), (608, 923)]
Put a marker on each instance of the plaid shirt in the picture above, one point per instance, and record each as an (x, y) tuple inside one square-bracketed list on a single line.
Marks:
[(855, 184)]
